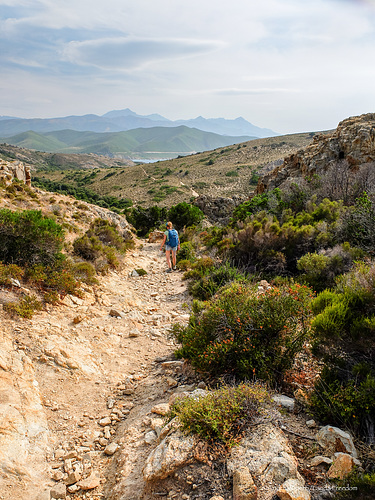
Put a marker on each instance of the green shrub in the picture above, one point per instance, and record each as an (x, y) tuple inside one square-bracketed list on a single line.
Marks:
[(247, 334), (362, 486), (141, 272), (9, 272), (185, 215), (89, 248), (186, 252), (145, 220), (350, 402), (25, 307), (321, 269), (28, 238), (221, 415), (101, 242), (59, 278), (85, 272), (212, 279), (344, 338)]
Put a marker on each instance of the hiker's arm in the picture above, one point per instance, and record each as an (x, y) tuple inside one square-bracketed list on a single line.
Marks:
[(161, 246)]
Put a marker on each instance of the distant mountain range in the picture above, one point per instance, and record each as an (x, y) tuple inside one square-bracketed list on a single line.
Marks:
[(125, 119), (153, 143)]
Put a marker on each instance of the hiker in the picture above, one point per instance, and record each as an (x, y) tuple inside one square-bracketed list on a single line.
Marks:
[(172, 243)]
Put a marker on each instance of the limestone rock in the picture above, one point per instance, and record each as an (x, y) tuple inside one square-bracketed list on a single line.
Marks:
[(174, 451), (155, 236), (318, 460), (16, 169), (293, 489), (243, 485), (268, 455), (73, 477), (353, 140), (105, 421), (284, 401), (218, 210), (150, 437), (111, 449), (115, 313), (335, 439), (58, 491), (280, 469), (25, 438), (310, 424), (93, 481), (161, 409), (341, 467)]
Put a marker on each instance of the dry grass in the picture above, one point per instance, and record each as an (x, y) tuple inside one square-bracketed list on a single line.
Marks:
[(222, 172)]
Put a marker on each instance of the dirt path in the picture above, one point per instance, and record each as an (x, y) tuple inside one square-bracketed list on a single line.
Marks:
[(99, 358)]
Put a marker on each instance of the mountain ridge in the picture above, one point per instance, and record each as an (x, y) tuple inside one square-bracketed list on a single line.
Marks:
[(126, 119), (156, 140)]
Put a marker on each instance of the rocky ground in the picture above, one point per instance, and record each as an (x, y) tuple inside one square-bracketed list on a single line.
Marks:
[(91, 361), (84, 386)]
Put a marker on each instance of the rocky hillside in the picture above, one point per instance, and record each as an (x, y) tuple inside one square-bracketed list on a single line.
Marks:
[(353, 141), (85, 385), (223, 172)]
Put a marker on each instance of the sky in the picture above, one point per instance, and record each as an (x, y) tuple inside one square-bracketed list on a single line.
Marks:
[(288, 65)]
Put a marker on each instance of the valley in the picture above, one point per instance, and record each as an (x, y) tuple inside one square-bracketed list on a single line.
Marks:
[(222, 172)]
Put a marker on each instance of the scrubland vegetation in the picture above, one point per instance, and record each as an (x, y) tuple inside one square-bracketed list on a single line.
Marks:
[(313, 243), (317, 254)]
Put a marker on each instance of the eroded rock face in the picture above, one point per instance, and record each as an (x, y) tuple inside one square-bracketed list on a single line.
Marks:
[(218, 210), (353, 141), (334, 439), (268, 456), (174, 450), (25, 438), (14, 170)]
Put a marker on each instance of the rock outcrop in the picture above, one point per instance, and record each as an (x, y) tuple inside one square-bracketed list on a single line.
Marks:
[(353, 141), (25, 436), (14, 170), (218, 210)]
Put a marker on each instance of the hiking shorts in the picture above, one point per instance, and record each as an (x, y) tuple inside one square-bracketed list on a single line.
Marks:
[(174, 249)]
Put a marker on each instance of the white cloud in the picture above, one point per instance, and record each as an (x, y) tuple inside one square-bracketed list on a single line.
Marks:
[(129, 53), (282, 64)]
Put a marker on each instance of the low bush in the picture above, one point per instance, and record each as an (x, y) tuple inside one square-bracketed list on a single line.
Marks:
[(25, 307), (247, 334), (320, 269), (145, 220), (60, 278), (101, 244), (221, 415), (344, 338), (10, 272), (28, 237), (186, 252), (185, 215), (209, 279), (362, 486)]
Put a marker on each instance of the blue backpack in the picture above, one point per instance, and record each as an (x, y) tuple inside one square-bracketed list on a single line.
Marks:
[(172, 239)]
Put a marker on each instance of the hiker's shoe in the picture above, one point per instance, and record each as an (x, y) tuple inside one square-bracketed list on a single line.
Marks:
[(174, 268), (169, 270)]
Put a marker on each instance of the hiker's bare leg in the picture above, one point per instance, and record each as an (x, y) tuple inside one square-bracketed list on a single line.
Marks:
[(174, 257), (168, 255)]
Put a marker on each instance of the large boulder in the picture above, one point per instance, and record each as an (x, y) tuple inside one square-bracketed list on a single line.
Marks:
[(268, 456), (334, 439), (353, 141), (174, 451), (25, 438)]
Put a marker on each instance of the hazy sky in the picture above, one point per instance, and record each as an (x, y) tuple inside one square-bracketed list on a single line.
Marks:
[(288, 65)]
